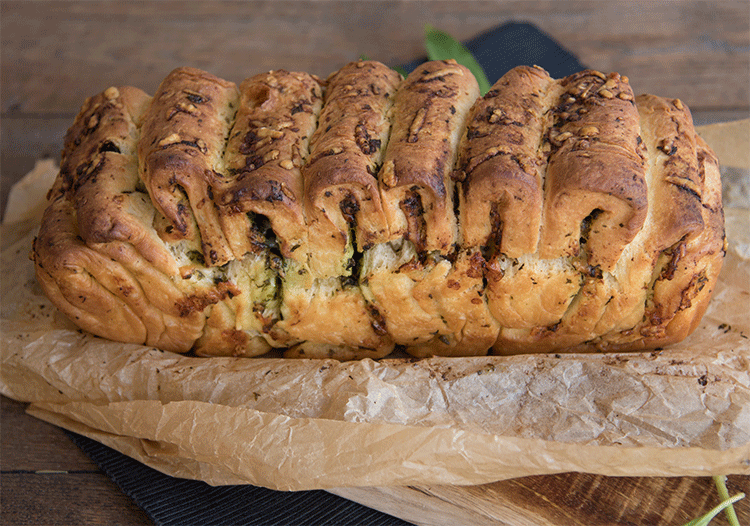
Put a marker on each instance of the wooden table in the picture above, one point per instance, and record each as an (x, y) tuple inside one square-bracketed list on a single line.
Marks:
[(54, 54)]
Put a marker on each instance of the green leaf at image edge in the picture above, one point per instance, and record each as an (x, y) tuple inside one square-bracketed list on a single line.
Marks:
[(721, 485), (441, 46), (703, 521), (725, 505)]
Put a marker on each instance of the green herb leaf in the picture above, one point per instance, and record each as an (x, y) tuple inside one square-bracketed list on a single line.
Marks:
[(401, 71), (441, 46), (721, 486), (708, 517)]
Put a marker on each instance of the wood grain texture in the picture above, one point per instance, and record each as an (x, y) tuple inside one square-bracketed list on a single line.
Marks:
[(47, 479), (568, 499), (56, 53), (29, 445), (66, 499)]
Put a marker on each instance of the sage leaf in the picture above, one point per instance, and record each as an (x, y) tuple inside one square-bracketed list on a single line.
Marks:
[(401, 71), (441, 46)]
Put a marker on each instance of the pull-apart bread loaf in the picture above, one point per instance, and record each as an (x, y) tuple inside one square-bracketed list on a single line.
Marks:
[(348, 217)]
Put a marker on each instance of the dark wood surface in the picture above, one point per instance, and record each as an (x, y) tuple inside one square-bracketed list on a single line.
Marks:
[(570, 499), (47, 480), (54, 54)]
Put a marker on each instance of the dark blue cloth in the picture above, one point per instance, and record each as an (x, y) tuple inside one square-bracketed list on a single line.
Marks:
[(179, 502), (516, 44), (168, 500)]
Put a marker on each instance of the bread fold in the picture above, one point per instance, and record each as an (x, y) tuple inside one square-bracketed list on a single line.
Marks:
[(429, 117), (267, 147), (501, 165), (364, 213), (595, 190), (180, 151), (343, 206)]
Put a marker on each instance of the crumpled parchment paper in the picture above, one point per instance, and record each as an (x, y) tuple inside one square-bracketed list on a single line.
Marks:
[(304, 424)]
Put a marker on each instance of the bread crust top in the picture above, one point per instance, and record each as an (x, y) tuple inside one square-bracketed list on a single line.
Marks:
[(350, 216)]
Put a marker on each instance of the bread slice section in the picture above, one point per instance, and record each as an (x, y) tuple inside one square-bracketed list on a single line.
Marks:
[(429, 118), (343, 205)]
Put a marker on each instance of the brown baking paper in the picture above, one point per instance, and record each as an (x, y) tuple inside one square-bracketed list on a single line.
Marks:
[(303, 424)]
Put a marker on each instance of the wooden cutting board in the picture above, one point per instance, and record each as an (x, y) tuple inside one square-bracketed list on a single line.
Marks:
[(558, 500)]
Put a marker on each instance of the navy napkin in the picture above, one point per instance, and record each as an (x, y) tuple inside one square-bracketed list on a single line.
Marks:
[(516, 44), (180, 502), (171, 501)]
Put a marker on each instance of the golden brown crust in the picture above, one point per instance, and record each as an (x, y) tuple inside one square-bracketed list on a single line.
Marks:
[(107, 122), (432, 305), (97, 253), (456, 293), (658, 290), (346, 152), (60, 259), (595, 184), (110, 289), (528, 292), (429, 117), (335, 311), (221, 337), (266, 149), (400, 286), (182, 140), (500, 164), (690, 171), (99, 174), (586, 219), (675, 214)]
